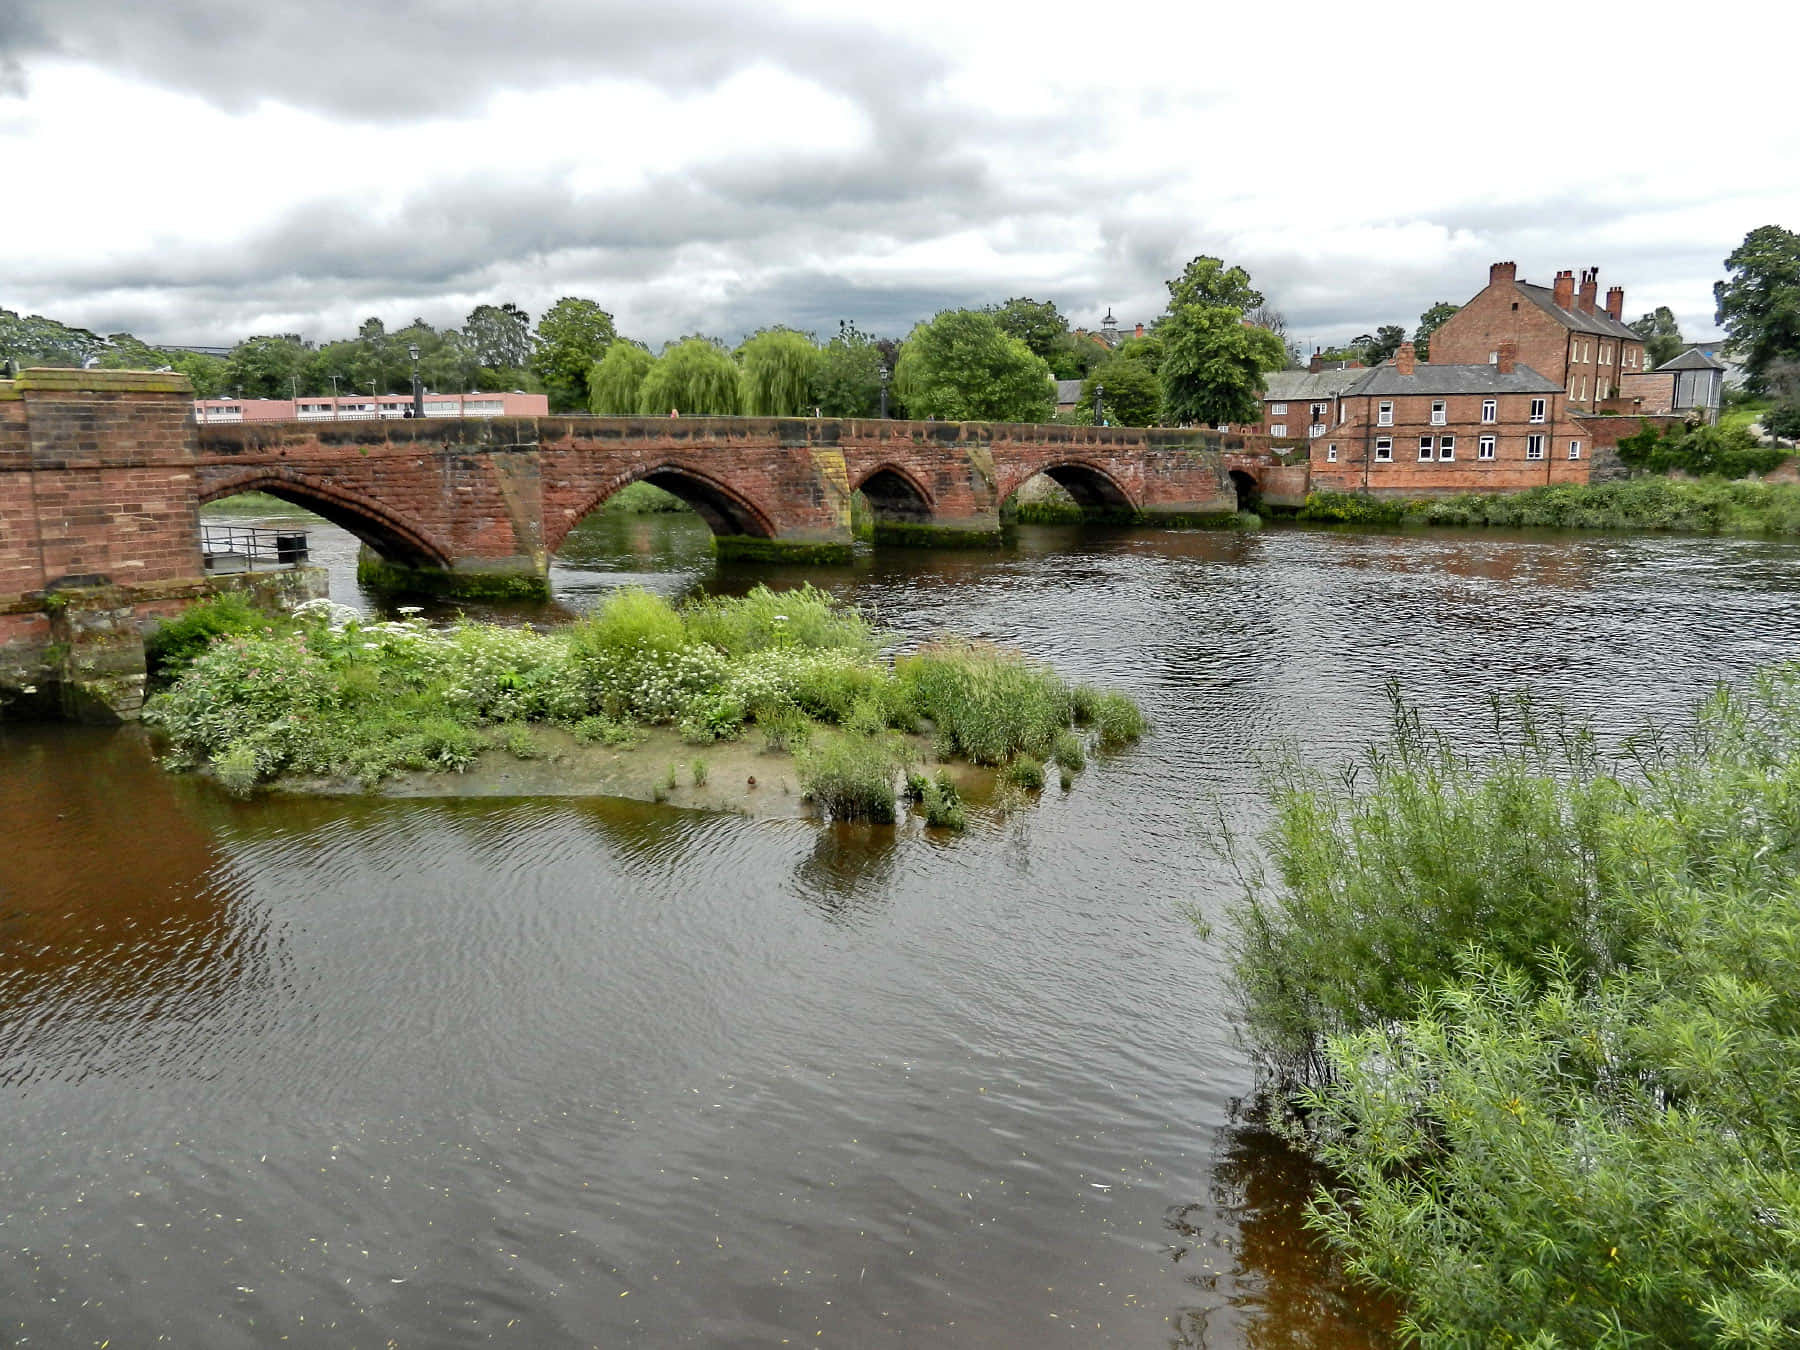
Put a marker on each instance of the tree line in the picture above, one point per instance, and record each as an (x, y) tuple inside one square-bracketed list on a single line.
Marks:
[(1202, 361)]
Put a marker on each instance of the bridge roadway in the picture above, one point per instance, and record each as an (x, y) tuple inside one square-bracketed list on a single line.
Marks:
[(482, 505)]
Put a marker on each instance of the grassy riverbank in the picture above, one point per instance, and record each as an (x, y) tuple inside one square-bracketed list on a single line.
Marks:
[(1686, 506), (333, 695), (1538, 1014)]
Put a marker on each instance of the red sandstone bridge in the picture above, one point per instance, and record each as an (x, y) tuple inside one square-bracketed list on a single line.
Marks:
[(102, 474), (467, 500)]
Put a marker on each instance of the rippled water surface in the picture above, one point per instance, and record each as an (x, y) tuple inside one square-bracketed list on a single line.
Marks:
[(361, 1072)]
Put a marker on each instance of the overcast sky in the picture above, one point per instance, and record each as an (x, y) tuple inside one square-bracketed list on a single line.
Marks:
[(196, 171)]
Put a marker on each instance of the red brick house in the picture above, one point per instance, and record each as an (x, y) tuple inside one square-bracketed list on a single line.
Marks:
[(1415, 428), (1307, 402), (1560, 331)]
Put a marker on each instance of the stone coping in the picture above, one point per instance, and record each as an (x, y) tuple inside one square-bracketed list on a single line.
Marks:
[(60, 380)]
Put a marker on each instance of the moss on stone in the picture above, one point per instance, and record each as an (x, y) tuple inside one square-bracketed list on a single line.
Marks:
[(921, 534), (378, 574), (800, 553)]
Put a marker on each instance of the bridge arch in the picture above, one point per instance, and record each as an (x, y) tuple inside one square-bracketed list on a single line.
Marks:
[(895, 496), (1248, 489), (725, 510), (387, 534), (1094, 488)]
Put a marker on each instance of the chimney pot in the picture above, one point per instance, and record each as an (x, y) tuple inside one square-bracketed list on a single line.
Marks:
[(1565, 290), (1615, 303), (1140, 331), (1590, 288), (1403, 359), (1316, 364), (1502, 271), (1508, 357)]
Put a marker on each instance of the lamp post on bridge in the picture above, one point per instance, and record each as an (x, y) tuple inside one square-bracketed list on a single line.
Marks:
[(884, 382), (418, 410), (1100, 402)]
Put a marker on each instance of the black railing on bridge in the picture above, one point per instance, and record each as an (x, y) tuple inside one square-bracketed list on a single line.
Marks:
[(246, 548)]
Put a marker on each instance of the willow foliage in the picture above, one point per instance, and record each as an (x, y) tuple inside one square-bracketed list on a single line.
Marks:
[(779, 367), (616, 379), (696, 377)]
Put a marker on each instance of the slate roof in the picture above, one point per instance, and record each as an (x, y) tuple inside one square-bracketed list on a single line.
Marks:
[(1581, 321), (1068, 391), (1429, 379), (1692, 359), (1297, 386)]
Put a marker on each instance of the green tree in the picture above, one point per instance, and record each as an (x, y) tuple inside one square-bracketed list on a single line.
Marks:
[(1147, 350), (1133, 393), (267, 367), (780, 368), (695, 376), (617, 379), (37, 341), (1208, 283), (1429, 322), (1038, 324), (500, 336), (1213, 365), (960, 367), (1073, 356), (205, 373), (1661, 334), (848, 380), (1384, 344), (572, 337), (125, 352), (1759, 302)]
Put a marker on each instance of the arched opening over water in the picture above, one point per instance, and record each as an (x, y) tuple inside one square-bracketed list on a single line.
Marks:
[(386, 535), (723, 510), (1249, 492), (1070, 492), (895, 498)]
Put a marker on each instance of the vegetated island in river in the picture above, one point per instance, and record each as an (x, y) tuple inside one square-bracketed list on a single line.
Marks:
[(757, 703)]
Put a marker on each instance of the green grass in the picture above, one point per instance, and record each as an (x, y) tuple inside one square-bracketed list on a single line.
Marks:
[(1684, 506), (1740, 415)]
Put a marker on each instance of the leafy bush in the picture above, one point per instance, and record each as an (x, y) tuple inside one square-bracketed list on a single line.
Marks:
[(1728, 452), (806, 617), (172, 645), (1546, 1014), (1783, 420), (851, 777), (942, 804), (1026, 772)]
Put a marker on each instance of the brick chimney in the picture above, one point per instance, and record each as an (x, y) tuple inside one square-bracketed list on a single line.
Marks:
[(1140, 333), (1615, 303), (1590, 288), (1314, 366), (1403, 359), (1499, 272), (1508, 356), (1565, 290)]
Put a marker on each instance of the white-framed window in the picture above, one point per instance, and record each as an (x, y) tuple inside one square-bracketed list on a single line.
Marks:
[(1278, 409), (1384, 449), (1446, 447), (1574, 449), (1484, 448), (1440, 412), (1320, 410), (1605, 388), (1316, 429), (1384, 415), (1534, 446), (1606, 353), (1278, 428), (1490, 410), (1571, 386), (1331, 454), (1493, 358), (1426, 446), (1584, 389), (1223, 426), (1538, 407)]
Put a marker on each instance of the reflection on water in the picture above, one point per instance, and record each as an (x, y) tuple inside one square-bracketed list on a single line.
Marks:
[(575, 1073)]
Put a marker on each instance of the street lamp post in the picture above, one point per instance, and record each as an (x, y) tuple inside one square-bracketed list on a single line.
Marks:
[(884, 382), (1100, 405), (412, 350)]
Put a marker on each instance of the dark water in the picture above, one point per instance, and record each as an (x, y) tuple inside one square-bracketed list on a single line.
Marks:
[(360, 1073)]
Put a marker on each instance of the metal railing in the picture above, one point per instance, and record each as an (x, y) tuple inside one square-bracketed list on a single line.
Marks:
[(247, 548)]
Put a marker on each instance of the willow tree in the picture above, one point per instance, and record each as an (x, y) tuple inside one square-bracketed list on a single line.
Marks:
[(780, 366), (695, 376), (616, 379)]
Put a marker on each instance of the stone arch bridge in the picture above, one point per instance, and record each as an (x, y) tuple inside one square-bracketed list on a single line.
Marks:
[(472, 505)]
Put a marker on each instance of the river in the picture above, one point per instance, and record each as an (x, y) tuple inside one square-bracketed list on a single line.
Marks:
[(366, 1072)]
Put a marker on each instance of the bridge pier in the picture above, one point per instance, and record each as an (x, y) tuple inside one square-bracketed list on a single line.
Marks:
[(467, 579)]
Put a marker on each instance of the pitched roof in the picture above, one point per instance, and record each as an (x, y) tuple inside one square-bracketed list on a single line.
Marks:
[(1581, 321), (1429, 379), (1296, 386), (1692, 359)]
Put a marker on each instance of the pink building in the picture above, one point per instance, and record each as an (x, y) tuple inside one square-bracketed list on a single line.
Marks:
[(368, 407)]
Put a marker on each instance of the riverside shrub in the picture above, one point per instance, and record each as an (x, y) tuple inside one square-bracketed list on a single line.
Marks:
[(1542, 1008), (1686, 506), (343, 695)]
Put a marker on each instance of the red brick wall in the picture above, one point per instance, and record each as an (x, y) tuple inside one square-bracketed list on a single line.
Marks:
[(1357, 469), (1500, 313)]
